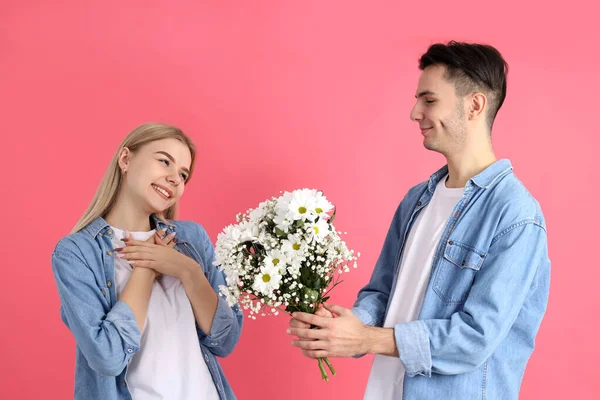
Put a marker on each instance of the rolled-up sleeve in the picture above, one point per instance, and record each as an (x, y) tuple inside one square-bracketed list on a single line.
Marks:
[(469, 337), (227, 322), (107, 337)]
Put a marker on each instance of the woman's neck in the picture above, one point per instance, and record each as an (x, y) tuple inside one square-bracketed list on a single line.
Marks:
[(124, 215)]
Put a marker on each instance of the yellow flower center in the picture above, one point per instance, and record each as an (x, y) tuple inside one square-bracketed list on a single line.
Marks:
[(275, 261), (302, 210), (316, 228), (318, 210), (266, 278), (296, 246)]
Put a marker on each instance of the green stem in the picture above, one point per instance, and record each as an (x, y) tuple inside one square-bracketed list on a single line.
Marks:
[(322, 368), (329, 365)]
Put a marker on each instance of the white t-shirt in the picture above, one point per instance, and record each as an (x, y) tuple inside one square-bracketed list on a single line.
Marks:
[(169, 364), (387, 373)]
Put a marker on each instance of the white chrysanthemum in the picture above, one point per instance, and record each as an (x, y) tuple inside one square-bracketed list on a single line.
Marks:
[(250, 232), (283, 204), (258, 213), (294, 247), (267, 280), (282, 222), (322, 206), (269, 277), (276, 259), (319, 230), (302, 205)]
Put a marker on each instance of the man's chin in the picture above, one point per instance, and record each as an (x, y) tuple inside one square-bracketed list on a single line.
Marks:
[(429, 145)]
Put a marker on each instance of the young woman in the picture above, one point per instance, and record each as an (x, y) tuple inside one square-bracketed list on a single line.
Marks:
[(138, 289)]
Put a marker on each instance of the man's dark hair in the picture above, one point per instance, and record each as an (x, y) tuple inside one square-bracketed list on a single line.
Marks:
[(471, 67)]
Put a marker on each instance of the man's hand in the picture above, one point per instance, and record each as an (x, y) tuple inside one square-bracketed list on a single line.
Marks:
[(341, 336), (296, 323)]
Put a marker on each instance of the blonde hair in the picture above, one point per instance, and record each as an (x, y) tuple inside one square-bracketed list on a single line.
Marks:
[(106, 194)]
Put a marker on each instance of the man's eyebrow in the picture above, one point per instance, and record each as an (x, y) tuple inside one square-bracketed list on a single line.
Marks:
[(424, 93)]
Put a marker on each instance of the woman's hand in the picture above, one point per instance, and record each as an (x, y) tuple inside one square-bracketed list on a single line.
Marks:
[(156, 253)]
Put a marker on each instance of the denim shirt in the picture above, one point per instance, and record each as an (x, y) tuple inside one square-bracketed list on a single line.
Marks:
[(105, 329), (486, 295)]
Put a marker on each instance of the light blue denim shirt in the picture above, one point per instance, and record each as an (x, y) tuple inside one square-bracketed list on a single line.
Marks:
[(105, 329), (486, 296)]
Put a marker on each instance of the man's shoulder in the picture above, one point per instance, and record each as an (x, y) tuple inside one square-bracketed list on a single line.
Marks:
[(515, 202), (513, 195), (417, 189), (414, 193)]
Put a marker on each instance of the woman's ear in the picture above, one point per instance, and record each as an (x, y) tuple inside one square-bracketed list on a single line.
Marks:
[(124, 159)]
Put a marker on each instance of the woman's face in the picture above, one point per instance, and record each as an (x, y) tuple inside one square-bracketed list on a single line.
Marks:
[(155, 174)]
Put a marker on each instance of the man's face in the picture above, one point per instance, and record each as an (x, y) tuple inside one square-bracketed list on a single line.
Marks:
[(440, 113)]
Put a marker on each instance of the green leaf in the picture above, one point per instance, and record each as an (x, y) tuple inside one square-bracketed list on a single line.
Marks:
[(280, 233), (333, 216), (317, 284)]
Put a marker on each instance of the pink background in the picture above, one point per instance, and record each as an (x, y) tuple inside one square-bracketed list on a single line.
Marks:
[(283, 95)]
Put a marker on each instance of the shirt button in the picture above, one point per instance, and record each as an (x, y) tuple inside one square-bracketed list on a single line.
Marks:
[(450, 242), (418, 203), (103, 293), (124, 383), (206, 358), (109, 253), (129, 351), (109, 283), (110, 232)]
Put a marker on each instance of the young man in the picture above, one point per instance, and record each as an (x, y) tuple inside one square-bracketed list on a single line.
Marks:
[(460, 288)]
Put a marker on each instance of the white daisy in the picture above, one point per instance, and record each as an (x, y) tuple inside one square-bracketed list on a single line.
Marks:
[(319, 230), (322, 206), (276, 259), (302, 205), (294, 247), (249, 232), (267, 280), (282, 222), (258, 213)]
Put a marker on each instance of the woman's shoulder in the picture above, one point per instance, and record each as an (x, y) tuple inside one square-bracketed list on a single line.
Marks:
[(76, 249), (84, 241), (191, 231), (75, 243)]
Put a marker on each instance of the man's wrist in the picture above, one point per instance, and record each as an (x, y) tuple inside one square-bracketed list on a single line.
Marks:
[(381, 341)]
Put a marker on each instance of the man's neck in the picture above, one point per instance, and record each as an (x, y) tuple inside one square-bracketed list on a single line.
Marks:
[(462, 167)]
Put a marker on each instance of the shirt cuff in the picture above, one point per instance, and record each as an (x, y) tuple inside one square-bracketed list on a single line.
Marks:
[(221, 324), (412, 340), (123, 318)]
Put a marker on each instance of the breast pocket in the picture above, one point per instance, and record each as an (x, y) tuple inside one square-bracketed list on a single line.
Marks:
[(456, 271)]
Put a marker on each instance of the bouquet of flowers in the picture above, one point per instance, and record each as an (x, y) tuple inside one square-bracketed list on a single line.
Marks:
[(285, 255)]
